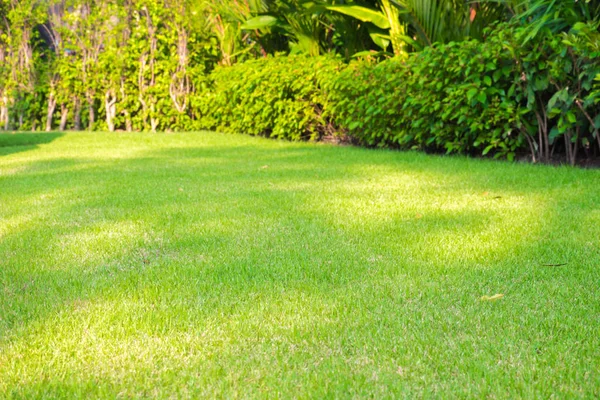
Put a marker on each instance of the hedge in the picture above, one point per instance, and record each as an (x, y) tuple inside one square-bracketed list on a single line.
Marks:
[(505, 95)]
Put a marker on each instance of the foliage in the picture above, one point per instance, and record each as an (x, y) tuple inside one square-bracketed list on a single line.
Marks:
[(279, 97), (404, 24), (554, 46), (131, 63), (502, 95), (530, 84), (447, 97)]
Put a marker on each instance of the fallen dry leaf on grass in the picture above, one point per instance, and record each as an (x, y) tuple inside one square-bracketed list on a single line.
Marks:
[(492, 298)]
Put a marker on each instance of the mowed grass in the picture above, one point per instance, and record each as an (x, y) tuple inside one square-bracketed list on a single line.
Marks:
[(207, 265)]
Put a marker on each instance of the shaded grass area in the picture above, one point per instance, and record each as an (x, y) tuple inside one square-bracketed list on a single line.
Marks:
[(17, 142), (188, 265)]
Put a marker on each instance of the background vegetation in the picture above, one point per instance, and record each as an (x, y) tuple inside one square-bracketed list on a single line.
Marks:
[(477, 77)]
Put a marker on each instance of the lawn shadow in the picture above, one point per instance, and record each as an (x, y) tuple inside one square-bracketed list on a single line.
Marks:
[(11, 143)]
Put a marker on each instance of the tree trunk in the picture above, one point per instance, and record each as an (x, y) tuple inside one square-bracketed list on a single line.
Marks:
[(571, 148), (92, 118), (3, 116), (110, 101), (92, 114), (4, 113), (128, 124), (153, 120), (64, 113), (77, 118), (50, 114), (144, 111)]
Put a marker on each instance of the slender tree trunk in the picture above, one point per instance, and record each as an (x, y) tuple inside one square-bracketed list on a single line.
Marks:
[(128, 124), (571, 148), (3, 116), (92, 114), (64, 113), (91, 118), (153, 120), (110, 101), (576, 146), (179, 88), (596, 132), (50, 114), (543, 141), (530, 142), (141, 92), (144, 111), (77, 117)]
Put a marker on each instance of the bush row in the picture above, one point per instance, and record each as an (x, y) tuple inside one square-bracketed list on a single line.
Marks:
[(508, 94)]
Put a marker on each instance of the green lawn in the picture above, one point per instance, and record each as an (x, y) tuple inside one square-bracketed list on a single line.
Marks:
[(209, 265)]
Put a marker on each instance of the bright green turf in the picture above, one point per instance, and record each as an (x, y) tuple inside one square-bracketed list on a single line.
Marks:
[(202, 265)]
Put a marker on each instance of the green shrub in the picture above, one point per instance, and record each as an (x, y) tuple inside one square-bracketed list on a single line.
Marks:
[(513, 92), (553, 86), (365, 101), (278, 97), (447, 97), (458, 100)]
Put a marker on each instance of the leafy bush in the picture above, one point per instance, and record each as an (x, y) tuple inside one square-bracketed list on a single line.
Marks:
[(278, 97), (553, 84), (459, 100), (514, 91), (365, 99), (446, 97)]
